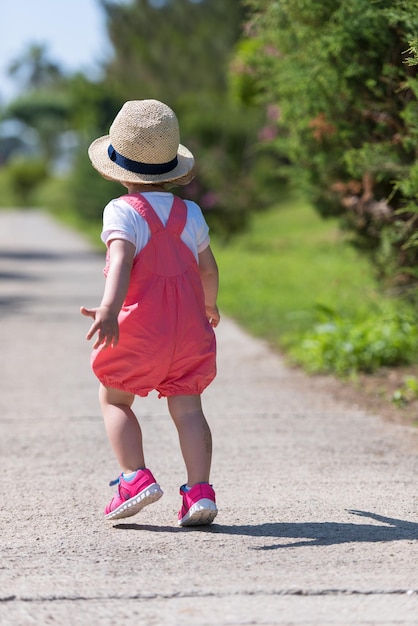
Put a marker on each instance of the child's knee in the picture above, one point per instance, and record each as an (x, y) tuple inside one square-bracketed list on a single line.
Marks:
[(182, 406), (109, 395)]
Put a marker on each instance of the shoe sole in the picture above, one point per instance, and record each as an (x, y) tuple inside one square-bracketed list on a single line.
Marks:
[(137, 503), (201, 513)]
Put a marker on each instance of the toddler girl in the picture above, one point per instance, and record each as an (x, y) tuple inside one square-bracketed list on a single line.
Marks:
[(155, 322)]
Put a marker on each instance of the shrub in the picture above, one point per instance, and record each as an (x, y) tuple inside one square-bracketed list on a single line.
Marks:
[(345, 346), (25, 175), (343, 75)]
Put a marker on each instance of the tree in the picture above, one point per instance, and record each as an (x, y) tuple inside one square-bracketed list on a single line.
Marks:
[(179, 51), (348, 126), (34, 69), (43, 103), (46, 112), (165, 50)]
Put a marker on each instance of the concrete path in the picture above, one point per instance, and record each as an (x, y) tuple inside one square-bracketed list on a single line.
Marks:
[(318, 520)]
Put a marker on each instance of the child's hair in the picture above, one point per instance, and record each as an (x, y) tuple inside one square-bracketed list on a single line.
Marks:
[(184, 180)]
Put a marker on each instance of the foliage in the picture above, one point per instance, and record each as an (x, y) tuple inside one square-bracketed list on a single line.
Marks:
[(184, 60), (289, 262), (45, 111), (54, 106), (7, 196), (166, 50), (406, 393), (93, 105), (338, 71), (43, 104), (294, 281), (42, 110), (345, 346), (24, 175), (233, 180), (178, 51), (88, 191), (54, 195), (34, 69)]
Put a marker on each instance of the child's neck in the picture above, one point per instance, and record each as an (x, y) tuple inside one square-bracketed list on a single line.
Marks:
[(140, 188)]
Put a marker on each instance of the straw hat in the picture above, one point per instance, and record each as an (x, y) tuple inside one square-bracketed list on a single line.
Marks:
[(143, 146)]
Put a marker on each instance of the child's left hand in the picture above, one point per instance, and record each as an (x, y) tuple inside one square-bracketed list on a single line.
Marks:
[(212, 313), (105, 324)]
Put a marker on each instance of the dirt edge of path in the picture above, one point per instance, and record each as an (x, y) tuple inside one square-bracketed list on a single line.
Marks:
[(374, 393)]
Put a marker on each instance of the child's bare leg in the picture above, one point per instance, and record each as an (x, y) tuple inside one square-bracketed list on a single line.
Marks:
[(194, 435), (122, 428)]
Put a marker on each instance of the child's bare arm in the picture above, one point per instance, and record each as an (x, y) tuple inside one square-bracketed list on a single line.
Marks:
[(121, 255), (210, 281)]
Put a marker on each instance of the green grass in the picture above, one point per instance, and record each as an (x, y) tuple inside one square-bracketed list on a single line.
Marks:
[(294, 280), (291, 263), (7, 198)]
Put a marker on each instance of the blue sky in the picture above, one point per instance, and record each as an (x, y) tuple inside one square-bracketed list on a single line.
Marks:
[(73, 30)]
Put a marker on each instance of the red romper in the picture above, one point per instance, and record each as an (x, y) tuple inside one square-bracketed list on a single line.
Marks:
[(165, 340)]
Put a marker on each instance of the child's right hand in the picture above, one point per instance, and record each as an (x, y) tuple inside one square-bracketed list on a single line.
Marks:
[(105, 324)]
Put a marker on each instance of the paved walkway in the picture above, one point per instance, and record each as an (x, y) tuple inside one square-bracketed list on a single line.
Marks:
[(318, 520)]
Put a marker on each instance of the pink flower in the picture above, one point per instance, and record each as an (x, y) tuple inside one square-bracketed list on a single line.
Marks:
[(273, 112), (268, 133), (209, 200)]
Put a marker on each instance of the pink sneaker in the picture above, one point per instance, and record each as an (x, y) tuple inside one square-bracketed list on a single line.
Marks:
[(133, 495), (199, 505)]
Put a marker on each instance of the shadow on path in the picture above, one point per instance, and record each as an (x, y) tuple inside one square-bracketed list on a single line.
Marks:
[(34, 256), (31, 267), (309, 533)]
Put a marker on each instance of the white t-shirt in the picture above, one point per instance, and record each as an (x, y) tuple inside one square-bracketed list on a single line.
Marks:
[(121, 221)]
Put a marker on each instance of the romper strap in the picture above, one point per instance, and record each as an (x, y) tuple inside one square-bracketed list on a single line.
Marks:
[(178, 216), (145, 210)]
